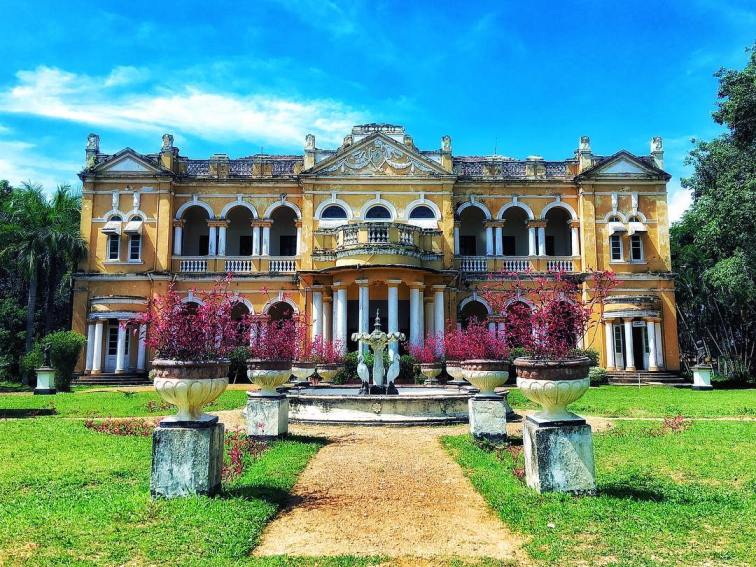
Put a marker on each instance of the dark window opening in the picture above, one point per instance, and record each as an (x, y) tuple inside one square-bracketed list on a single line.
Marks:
[(422, 212), (550, 246), (287, 245), (204, 245), (467, 245), (509, 247), (245, 245), (378, 212), (333, 212), (114, 242)]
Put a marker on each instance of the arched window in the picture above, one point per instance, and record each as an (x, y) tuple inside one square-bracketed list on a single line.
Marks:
[(333, 212), (422, 212), (116, 218), (378, 212)]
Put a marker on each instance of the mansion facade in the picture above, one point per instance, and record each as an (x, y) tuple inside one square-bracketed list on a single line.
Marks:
[(334, 234)]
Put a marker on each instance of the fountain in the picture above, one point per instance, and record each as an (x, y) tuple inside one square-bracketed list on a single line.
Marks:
[(380, 402)]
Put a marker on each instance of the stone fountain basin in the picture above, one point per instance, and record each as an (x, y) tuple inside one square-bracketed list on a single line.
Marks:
[(415, 405)]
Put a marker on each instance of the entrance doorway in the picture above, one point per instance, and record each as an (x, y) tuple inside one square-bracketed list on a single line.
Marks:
[(640, 346)]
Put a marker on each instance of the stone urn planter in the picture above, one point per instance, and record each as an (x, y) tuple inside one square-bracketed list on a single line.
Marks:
[(268, 374), (189, 385), (328, 370), (302, 370), (486, 375), (431, 370), (554, 384), (454, 369)]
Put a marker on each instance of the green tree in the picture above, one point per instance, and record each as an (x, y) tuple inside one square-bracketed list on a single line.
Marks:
[(40, 237), (713, 244)]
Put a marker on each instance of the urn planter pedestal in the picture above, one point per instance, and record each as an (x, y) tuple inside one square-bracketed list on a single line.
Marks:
[(187, 448), (45, 381), (267, 411), (488, 410), (328, 370), (454, 370), (558, 444), (301, 372), (702, 377)]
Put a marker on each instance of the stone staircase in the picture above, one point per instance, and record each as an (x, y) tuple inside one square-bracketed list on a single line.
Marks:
[(110, 379), (662, 377)]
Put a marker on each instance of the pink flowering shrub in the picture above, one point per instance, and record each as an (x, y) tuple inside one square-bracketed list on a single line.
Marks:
[(476, 341), (454, 343), (429, 351), (185, 331), (323, 351), (561, 311), (274, 340)]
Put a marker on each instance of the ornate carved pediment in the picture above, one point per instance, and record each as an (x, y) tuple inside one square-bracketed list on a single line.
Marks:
[(378, 155), (624, 165), (127, 161)]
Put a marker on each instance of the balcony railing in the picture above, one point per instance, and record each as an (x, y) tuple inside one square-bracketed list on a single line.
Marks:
[(239, 265), (474, 264), (378, 234), (560, 265), (483, 264), (193, 265), (235, 265), (282, 264)]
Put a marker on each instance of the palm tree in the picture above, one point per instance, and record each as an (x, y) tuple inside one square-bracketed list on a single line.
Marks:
[(39, 235)]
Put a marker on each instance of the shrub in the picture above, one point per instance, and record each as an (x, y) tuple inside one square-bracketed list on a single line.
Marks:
[(238, 367), (65, 348), (30, 361), (590, 353), (598, 376), (430, 350), (138, 427)]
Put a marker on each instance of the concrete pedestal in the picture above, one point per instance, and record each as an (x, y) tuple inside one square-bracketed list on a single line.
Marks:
[(488, 418), (45, 381), (267, 416), (187, 460), (559, 457), (702, 377)]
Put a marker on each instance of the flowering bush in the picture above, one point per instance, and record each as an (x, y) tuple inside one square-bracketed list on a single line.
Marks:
[(561, 311), (454, 343), (429, 351), (238, 447), (476, 342), (323, 351), (190, 332), (274, 340), (138, 427)]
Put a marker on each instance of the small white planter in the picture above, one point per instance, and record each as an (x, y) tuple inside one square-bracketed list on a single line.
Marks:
[(454, 369), (486, 375), (431, 370), (303, 370), (189, 385), (268, 374), (328, 371)]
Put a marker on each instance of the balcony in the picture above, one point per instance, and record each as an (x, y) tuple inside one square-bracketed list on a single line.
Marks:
[(379, 242), (235, 264), (487, 264)]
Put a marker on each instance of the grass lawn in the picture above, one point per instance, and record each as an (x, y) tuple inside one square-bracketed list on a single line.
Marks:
[(656, 401), (678, 498)]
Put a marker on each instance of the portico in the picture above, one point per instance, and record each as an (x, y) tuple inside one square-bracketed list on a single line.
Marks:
[(633, 334)]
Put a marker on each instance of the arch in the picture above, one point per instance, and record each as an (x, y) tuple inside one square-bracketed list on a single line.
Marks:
[(243, 301), (282, 203), (275, 301), (419, 203), (519, 205), (611, 214), (189, 204), (234, 204), (477, 204), (373, 202), (639, 215), (474, 298), (559, 204), (339, 203), (136, 213), (192, 299)]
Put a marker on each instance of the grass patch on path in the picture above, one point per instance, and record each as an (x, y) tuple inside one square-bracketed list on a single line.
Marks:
[(680, 498), (72, 495), (656, 401)]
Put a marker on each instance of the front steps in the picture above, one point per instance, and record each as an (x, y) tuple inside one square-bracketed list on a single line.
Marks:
[(644, 377), (112, 379)]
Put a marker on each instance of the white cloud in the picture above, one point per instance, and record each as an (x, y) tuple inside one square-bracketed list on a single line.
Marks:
[(21, 161), (216, 116), (678, 200)]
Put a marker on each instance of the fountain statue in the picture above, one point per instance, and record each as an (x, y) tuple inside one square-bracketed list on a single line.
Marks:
[(377, 340)]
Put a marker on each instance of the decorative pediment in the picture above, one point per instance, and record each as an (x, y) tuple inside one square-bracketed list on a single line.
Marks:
[(378, 155), (624, 165), (127, 161)]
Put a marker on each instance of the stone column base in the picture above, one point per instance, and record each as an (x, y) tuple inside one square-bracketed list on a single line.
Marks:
[(267, 416), (488, 418), (45, 381), (559, 457), (702, 378), (187, 460)]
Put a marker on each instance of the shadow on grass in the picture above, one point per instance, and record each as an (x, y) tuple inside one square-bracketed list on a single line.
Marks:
[(623, 491), (271, 494), (22, 413)]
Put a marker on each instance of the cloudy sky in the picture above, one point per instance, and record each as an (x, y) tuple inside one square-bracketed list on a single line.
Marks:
[(518, 78)]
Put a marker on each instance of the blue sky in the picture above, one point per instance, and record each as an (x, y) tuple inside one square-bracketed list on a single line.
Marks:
[(520, 78)]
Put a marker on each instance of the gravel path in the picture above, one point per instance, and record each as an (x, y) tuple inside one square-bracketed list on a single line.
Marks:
[(386, 491)]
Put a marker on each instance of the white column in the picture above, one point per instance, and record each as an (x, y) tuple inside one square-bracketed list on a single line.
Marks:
[(489, 241), (177, 236), (363, 309), (212, 238), (575, 241), (266, 241), (438, 310), (256, 240), (97, 350), (541, 240), (90, 347), (429, 315), (531, 241), (393, 310), (141, 347), (335, 316), (629, 354), (499, 242), (317, 314), (651, 338), (327, 310), (456, 240), (659, 346), (299, 238), (221, 241), (341, 317), (609, 339), (500, 329), (416, 315), (492, 328), (121, 349)]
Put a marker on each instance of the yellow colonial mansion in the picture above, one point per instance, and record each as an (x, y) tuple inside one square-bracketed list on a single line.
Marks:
[(336, 233)]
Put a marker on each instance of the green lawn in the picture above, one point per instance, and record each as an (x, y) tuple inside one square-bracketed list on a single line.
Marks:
[(678, 498), (656, 401)]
